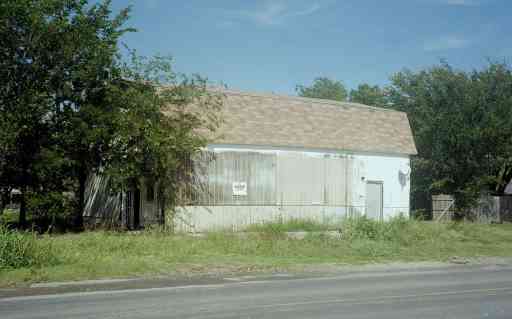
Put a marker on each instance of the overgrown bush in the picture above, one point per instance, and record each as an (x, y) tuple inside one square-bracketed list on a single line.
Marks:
[(50, 210), (281, 225), (398, 229), (361, 228), (9, 217), (19, 250)]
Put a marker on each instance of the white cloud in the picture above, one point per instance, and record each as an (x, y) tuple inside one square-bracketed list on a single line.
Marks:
[(447, 42), (278, 12)]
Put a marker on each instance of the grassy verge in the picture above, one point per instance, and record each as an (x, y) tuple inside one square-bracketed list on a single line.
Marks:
[(89, 255)]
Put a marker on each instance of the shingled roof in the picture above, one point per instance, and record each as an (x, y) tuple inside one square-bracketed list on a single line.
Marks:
[(274, 120)]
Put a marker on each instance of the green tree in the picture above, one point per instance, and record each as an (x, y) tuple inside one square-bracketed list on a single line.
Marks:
[(57, 59), (368, 95), (7, 143), (165, 121), (461, 123), (324, 88), (84, 118), (25, 66)]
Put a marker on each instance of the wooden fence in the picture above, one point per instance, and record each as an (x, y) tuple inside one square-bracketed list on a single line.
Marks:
[(488, 209), (443, 207)]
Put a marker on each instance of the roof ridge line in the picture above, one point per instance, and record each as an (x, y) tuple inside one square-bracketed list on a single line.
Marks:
[(305, 99)]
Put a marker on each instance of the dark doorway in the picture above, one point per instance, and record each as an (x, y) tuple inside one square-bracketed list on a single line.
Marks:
[(136, 208)]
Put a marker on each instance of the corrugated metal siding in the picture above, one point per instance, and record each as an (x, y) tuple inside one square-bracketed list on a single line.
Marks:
[(300, 179), (256, 169), (338, 181), (100, 205), (284, 179), (208, 218), (284, 184)]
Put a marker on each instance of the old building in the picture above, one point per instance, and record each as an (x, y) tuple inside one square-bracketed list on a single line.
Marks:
[(281, 157)]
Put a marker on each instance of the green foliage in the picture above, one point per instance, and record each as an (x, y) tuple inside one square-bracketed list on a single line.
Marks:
[(57, 58), (8, 217), (398, 229), (49, 208), (461, 124), (362, 228), (324, 88), (115, 254), (70, 107), (369, 95), (165, 120), (19, 250), (291, 224)]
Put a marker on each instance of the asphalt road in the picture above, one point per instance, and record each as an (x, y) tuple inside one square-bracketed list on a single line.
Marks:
[(461, 292)]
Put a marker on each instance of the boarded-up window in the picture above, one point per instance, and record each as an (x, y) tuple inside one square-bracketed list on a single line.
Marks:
[(306, 179), (284, 178), (300, 180), (240, 178)]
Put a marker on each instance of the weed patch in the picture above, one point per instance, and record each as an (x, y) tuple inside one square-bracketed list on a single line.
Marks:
[(19, 250), (26, 257)]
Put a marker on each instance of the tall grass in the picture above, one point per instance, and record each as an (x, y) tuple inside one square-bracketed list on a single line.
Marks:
[(293, 224), (25, 257), (19, 250)]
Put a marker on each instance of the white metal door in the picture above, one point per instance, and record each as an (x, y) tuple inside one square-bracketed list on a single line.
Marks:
[(374, 192)]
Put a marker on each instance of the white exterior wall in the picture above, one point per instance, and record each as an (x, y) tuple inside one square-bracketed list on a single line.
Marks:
[(385, 169), (363, 168)]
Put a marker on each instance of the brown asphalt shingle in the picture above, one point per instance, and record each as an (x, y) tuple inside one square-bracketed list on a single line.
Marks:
[(273, 120)]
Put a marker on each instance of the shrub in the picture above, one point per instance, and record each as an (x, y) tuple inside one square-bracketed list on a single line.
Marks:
[(9, 217), (360, 228), (279, 226), (49, 210), (19, 250), (397, 228)]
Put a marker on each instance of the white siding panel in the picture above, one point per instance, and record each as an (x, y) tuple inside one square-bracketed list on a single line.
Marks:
[(387, 170), (211, 218), (318, 185), (300, 179)]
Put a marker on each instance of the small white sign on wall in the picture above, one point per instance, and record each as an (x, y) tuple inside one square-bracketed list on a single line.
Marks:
[(239, 189)]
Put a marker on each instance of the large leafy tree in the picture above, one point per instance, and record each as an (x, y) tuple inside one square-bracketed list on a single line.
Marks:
[(25, 67), (165, 121), (84, 118), (58, 58), (461, 123), (324, 88), (70, 107), (369, 95)]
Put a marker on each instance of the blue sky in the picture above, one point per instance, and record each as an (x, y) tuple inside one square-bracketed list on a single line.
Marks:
[(271, 46)]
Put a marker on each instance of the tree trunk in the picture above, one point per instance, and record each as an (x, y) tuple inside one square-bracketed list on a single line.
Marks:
[(3, 202), (22, 222), (79, 215), (5, 198)]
